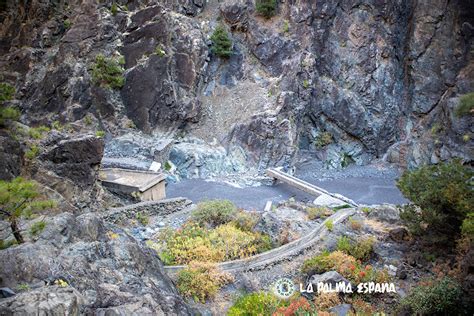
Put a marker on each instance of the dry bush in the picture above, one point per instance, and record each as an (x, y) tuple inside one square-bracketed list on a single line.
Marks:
[(201, 281)]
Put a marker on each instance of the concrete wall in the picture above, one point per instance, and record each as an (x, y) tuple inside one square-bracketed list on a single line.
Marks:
[(155, 193)]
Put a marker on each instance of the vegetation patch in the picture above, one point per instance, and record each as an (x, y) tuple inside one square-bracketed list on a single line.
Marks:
[(108, 72), (329, 224), (214, 213), (347, 265), (221, 43), (258, 303), (361, 249), (201, 281), (216, 232), (443, 195), (38, 132), (37, 228), (7, 92), (32, 152), (100, 134), (266, 8), (7, 113), (441, 297), (466, 105), (318, 212), (323, 139)]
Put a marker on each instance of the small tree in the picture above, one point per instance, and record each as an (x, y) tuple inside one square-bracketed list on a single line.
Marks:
[(108, 72), (18, 198), (444, 194), (266, 8), (222, 44)]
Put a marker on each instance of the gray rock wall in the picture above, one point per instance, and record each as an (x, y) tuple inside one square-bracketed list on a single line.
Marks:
[(375, 75), (149, 208)]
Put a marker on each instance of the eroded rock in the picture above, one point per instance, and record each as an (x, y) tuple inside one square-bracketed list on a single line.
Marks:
[(109, 269)]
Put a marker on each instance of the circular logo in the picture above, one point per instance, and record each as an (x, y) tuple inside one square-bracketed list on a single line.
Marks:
[(284, 288)]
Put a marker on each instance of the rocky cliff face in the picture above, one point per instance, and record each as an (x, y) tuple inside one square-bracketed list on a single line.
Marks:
[(347, 81), (98, 267)]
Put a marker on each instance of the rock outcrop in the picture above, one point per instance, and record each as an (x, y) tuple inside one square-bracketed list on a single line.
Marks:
[(105, 270), (76, 158), (11, 157)]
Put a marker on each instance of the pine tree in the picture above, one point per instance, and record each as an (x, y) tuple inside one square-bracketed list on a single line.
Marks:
[(222, 44), (266, 8), (18, 198)]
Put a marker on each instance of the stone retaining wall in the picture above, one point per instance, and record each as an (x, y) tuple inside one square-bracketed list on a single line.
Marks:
[(149, 208)]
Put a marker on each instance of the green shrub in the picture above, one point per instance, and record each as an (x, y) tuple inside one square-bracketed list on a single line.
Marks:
[(305, 84), (4, 244), (222, 44), (201, 281), (33, 152), (23, 287), (8, 114), (444, 194), (114, 9), (323, 139), (286, 27), (57, 126), (160, 51), (214, 212), (325, 262), (67, 24), (344, 244), (466, 105), (100, 134), (7, 92), (38, 132), (318, 212), (37, 228), (341, 207), (108, 72), (329, 224), (363, 249), (142, 219), (259, 303), (366, 210), (245, 220), (266, 8), (442, 297), (88, 120), (467, 227)]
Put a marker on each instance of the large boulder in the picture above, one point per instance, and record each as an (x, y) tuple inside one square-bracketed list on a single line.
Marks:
[(110, 270), (51, 300), (76, 158)]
